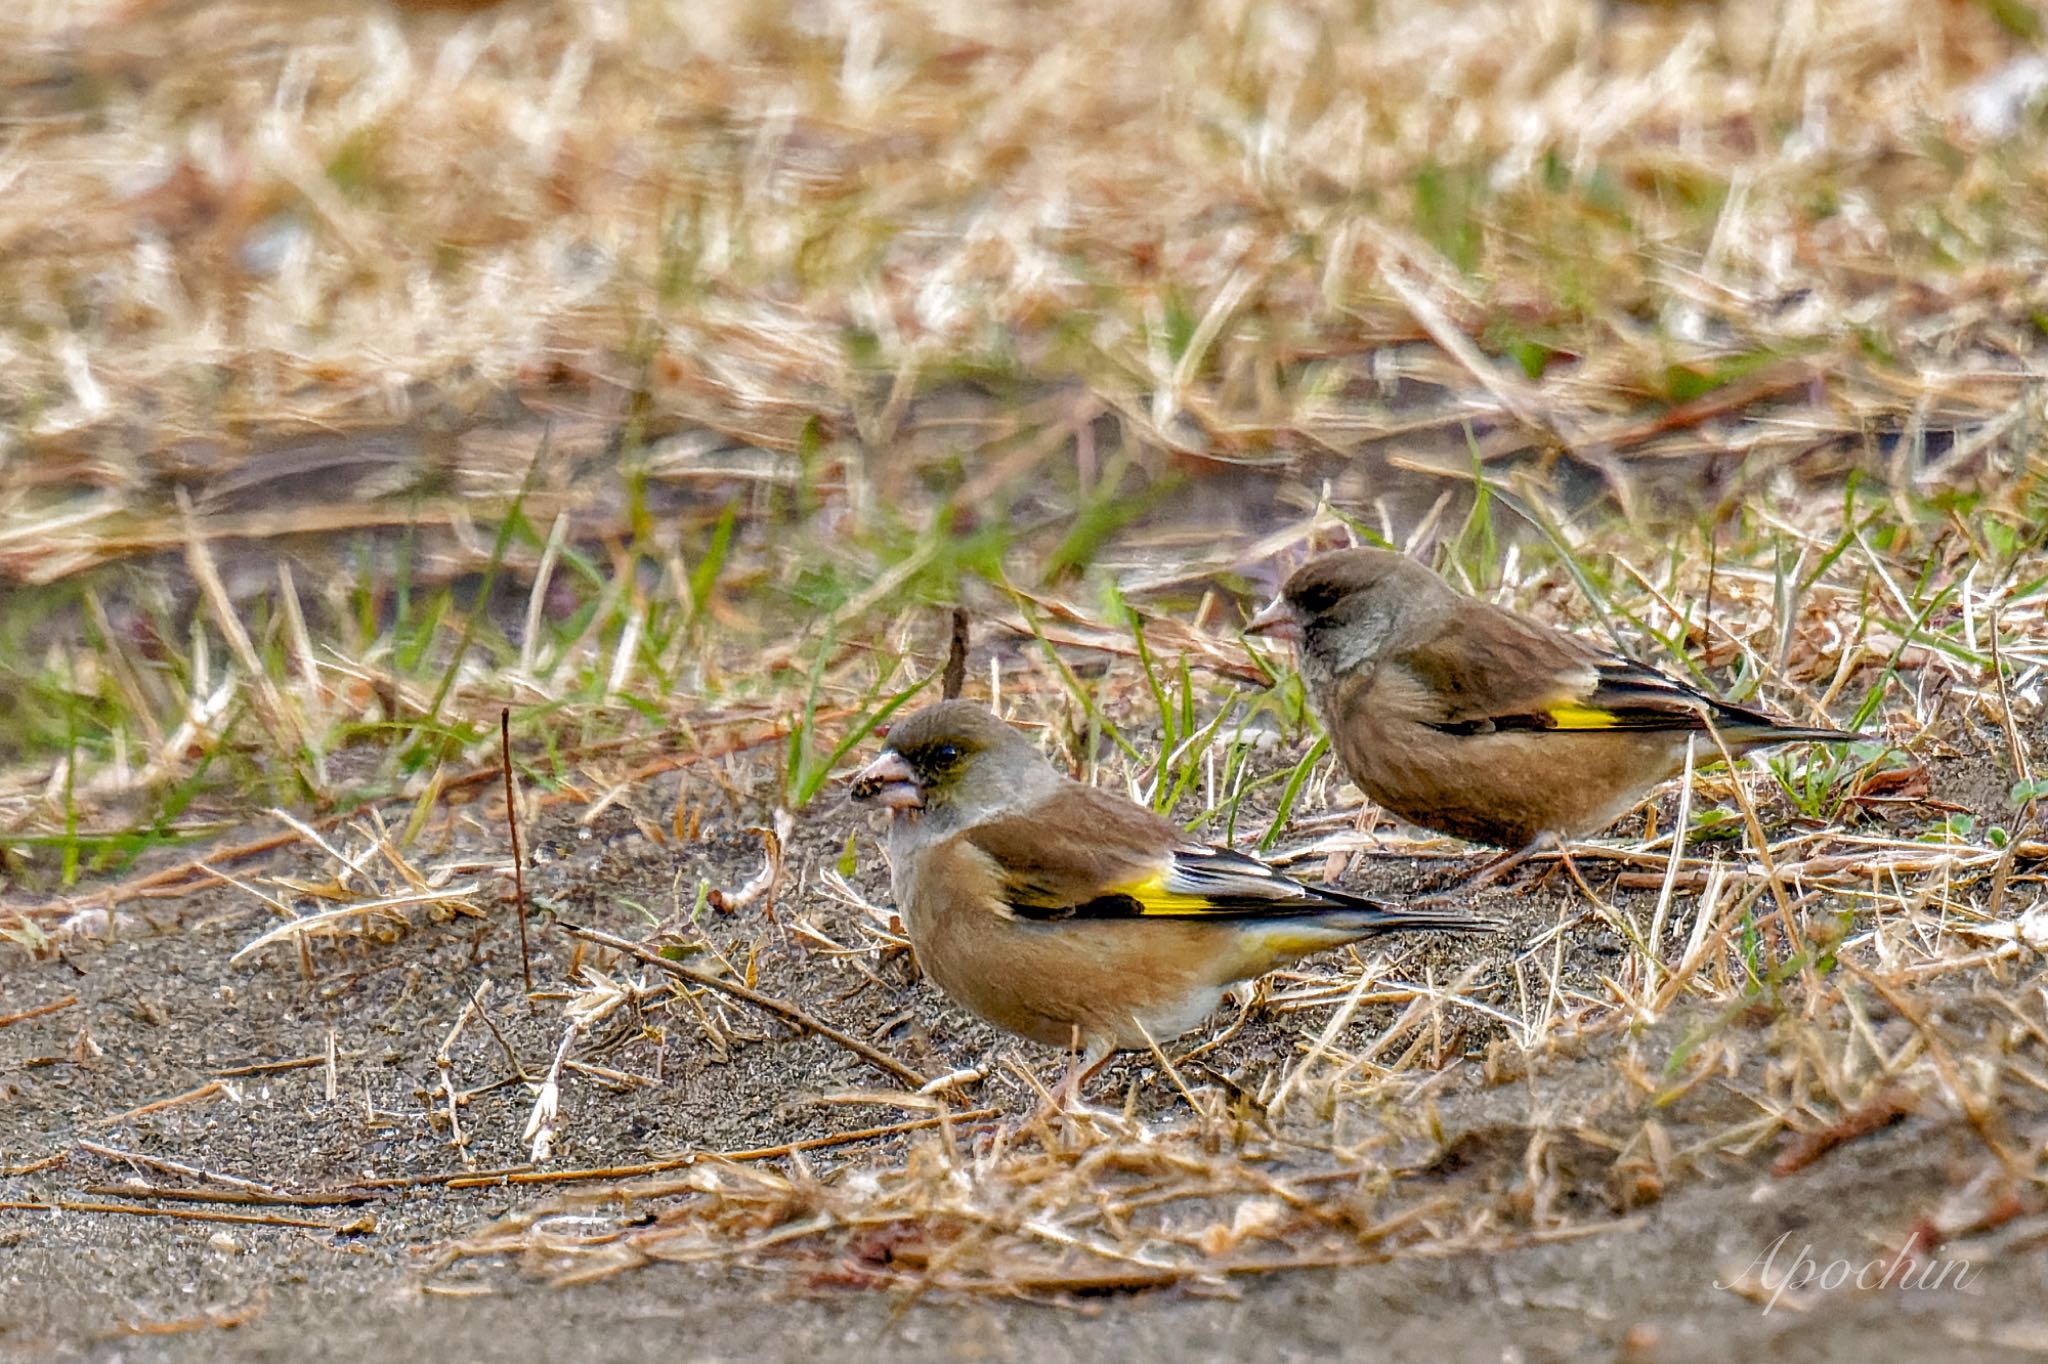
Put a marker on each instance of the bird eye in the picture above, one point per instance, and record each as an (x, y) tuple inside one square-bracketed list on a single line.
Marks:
[(1317, 598), (946, 753)]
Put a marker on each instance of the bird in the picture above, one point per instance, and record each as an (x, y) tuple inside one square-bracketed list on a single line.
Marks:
[(1071, 915), (1477, 721)]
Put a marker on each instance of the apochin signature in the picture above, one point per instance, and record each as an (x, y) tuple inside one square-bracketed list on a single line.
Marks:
[(1766, 1280)]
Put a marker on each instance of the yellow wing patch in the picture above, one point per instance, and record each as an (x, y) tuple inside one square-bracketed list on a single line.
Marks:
[(1153, 896), (1572, 715)]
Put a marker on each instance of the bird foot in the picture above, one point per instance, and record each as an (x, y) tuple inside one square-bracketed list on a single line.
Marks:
[(1496, 868), (1065, 1099)]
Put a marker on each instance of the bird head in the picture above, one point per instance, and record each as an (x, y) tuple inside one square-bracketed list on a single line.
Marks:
[(1340, 608), (957, 758)]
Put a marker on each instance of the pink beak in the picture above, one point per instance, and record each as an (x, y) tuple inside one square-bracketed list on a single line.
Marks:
[(889, 783), (1278, 619)]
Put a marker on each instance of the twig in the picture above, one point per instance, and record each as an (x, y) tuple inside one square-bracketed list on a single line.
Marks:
[(210, 1319), (137, 1189), (774, 838), (1892, 1103), (443, 1177), (169, 883), (270, 1067), (188, 878), (655, 1167), (305, 923), (2016, 747), (444, 1062), (803, 1021), (54, 1006), (617, 1079), (518, 1066), (1337, 1023), (1166, 1064), (955, 675), (1793, 942), (512, 824), (178, 1168), (34, 1166), (545, 1119), (1655, 960), (205, 1091), (256, 1219), (285, 725), (1985, 1121)]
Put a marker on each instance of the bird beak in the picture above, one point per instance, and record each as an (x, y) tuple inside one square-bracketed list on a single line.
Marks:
[(1278, 619), (889, 783)]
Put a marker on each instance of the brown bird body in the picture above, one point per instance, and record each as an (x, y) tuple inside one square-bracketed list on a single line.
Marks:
[(1062, 912), (1465, 717)]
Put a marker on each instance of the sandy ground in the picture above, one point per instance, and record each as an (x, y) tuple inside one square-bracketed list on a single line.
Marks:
[(1627, 1270)]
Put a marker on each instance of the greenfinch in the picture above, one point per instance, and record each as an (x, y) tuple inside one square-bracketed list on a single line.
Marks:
[(1071, 915), (1474, 720)]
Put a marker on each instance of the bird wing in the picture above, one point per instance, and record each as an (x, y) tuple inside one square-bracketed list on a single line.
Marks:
[(1087, 853), (1074, 847), (1519, 674)]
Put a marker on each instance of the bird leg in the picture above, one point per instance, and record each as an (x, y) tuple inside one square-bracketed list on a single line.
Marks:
[(1085, 1061), (1494, 870), (1246, 994), (1571, 868), (1084, 1058)]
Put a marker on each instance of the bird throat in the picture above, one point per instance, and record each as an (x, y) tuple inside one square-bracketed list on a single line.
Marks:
[(1332, 648)]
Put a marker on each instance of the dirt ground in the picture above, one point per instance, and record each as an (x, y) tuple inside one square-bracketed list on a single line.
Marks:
[(665, 374), (1627, 1265)]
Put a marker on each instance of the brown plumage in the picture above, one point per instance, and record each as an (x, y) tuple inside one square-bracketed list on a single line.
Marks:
[(1062, 912), (1466, 717)]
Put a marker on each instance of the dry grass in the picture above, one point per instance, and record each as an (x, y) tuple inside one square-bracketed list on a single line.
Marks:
[(653, 372), (1234, 227)]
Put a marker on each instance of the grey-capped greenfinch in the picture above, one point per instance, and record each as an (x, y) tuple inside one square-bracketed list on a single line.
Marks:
[(1071, 915), (1468, 718)]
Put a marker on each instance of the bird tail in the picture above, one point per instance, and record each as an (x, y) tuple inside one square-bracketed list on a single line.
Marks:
[(1357, 913), (1745, 729), (1201, 881)]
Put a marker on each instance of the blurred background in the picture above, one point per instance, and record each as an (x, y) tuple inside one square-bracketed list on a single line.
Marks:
[(674, 338)]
